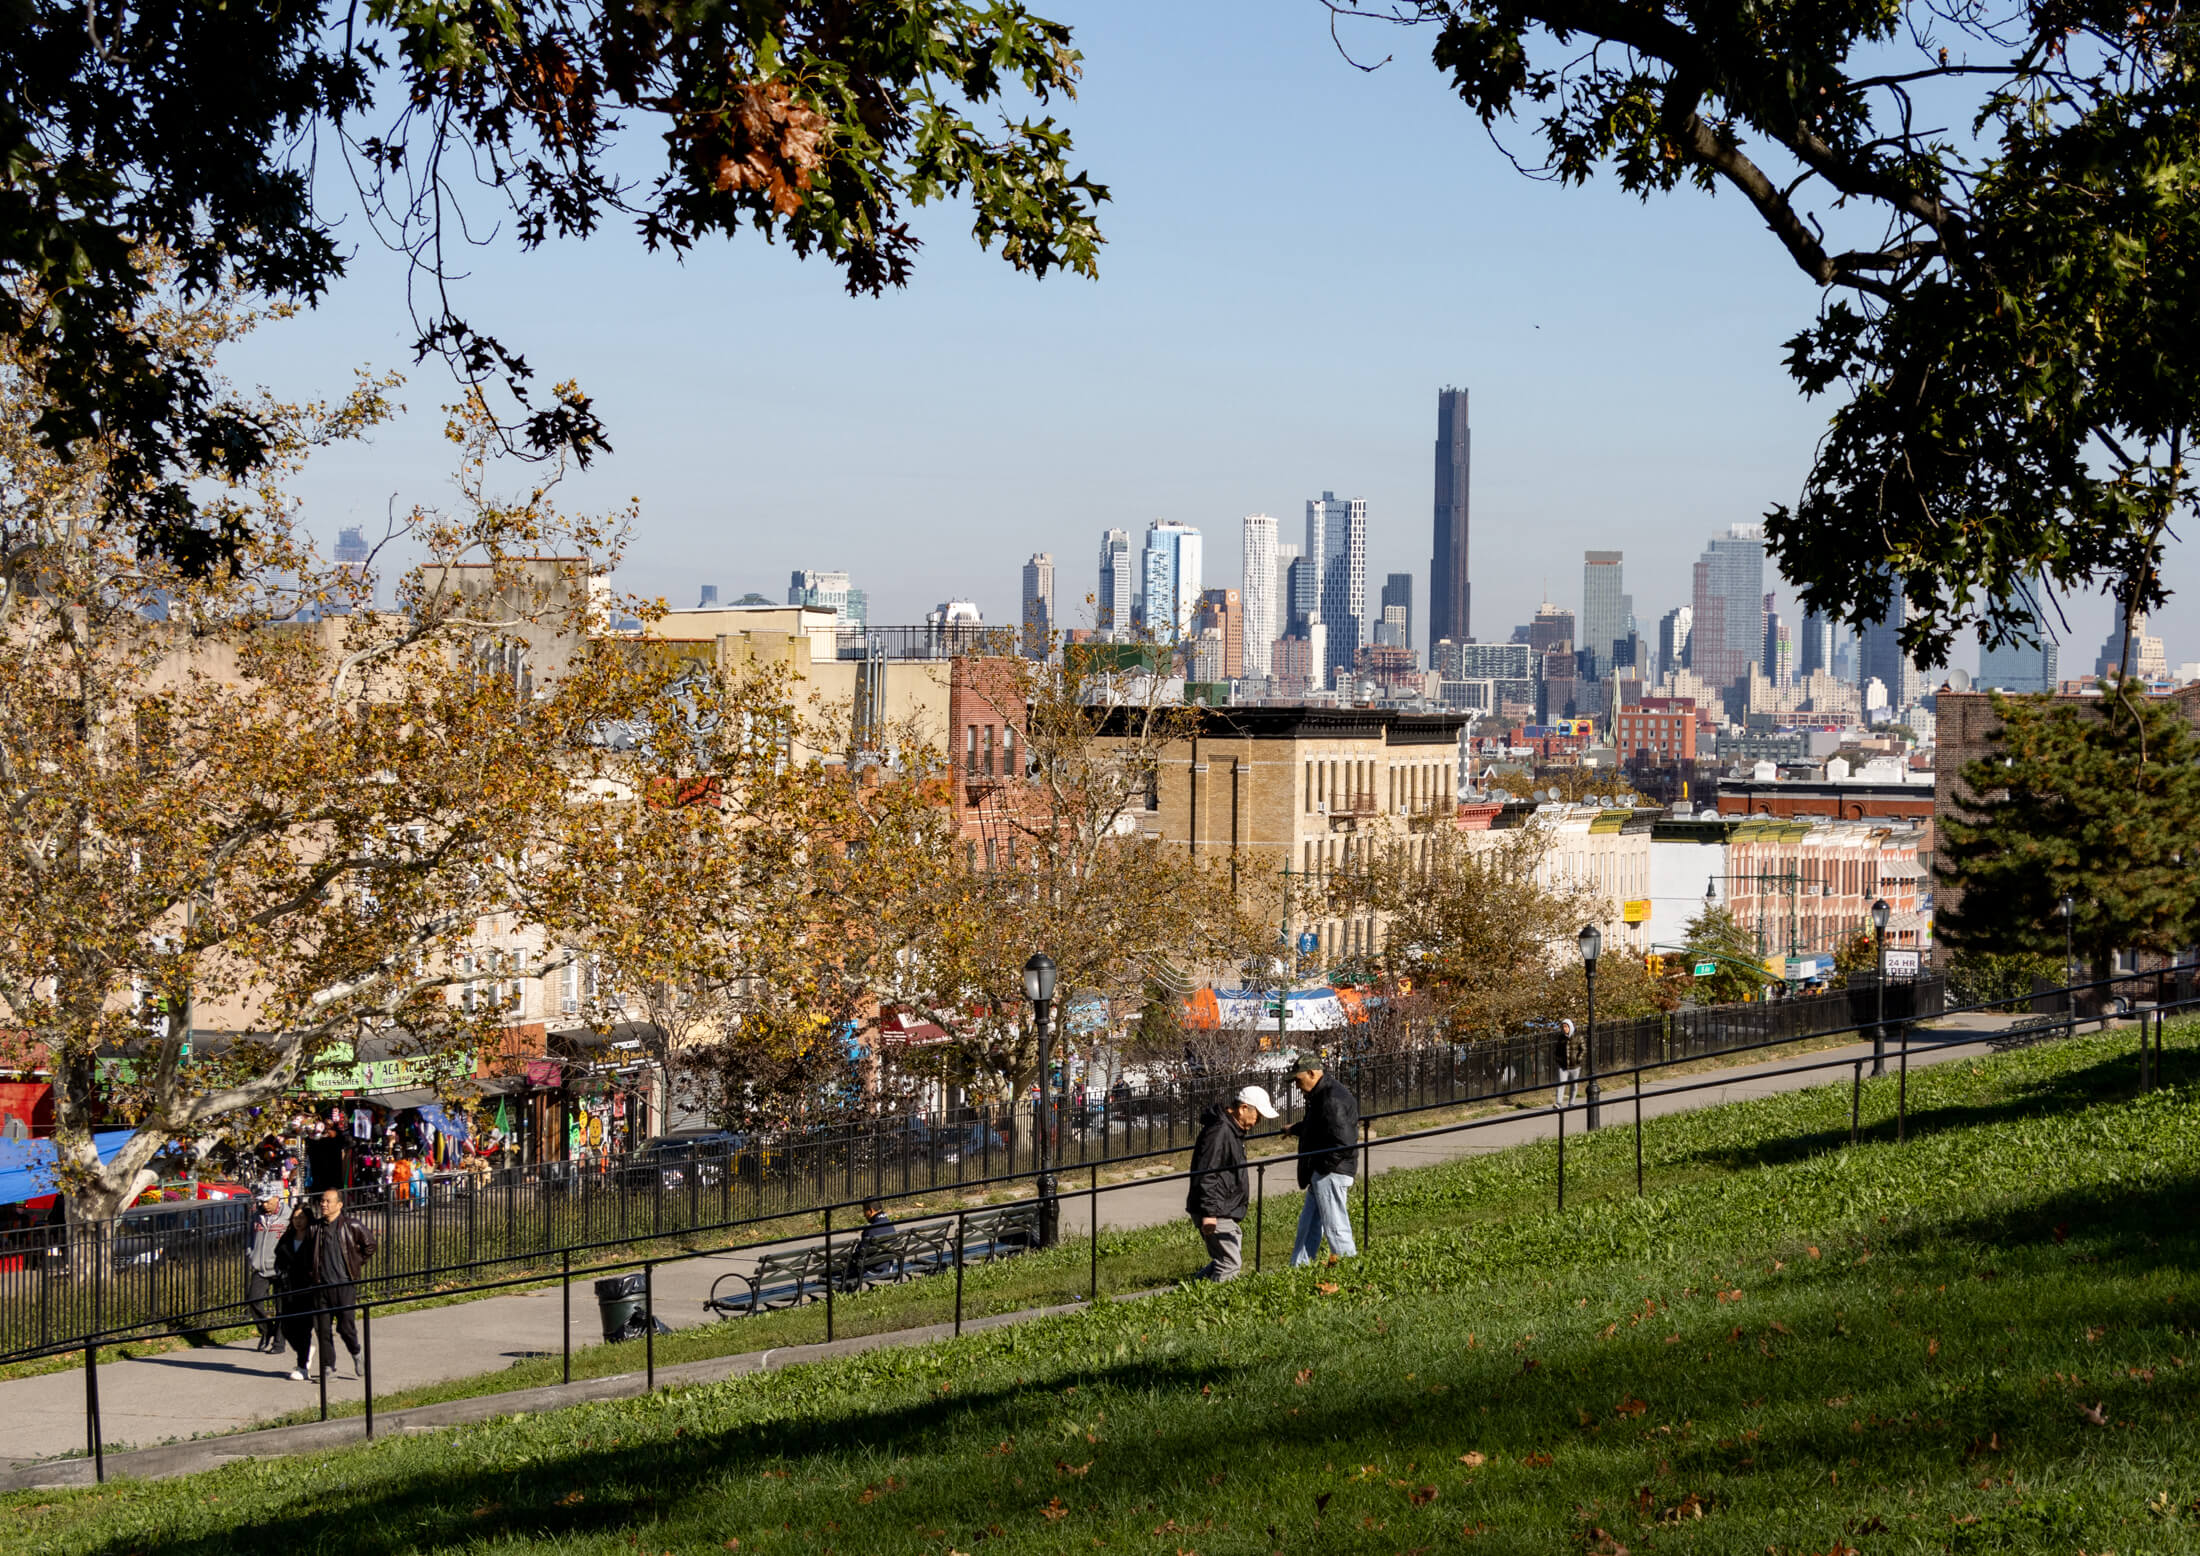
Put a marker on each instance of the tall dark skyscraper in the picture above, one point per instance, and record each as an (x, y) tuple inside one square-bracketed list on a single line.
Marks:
[(1449, 593)]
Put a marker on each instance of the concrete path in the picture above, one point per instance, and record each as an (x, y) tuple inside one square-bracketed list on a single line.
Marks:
[(174, 1395)]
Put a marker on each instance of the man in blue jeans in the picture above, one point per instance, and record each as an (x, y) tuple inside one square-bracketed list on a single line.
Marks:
[(1328, 1136)]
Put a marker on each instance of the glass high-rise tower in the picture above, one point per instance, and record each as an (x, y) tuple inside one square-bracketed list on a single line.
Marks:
[(1449, 592)]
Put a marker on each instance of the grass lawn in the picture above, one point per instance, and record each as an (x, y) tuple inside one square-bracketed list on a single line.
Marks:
[(1978, 1340)]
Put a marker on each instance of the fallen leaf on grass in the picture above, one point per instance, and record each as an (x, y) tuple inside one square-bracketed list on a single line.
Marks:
[(1731, 1296), (1686, 1509), (1672, 1339), (1779, 1328), (572, 1499), (1304, 1377), (1629, 1407), (1002, 1450), (1837, 1401), (487, 1508), (2093, 1335), (1421, 1496), (1604, 1544), (1530, 1365), (1053, 1510), (733, 1542), (1064, 1467), (2095, 1413), (2143, 1374), (1472, 1460), (1327, 1288), (1370, 1521), (1932, 1346), (1812, 1250), (1469, 1531), (1537, 1461)]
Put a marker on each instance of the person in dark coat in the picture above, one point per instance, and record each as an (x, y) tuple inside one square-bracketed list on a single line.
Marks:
[(296, 1297), (1569, 1053), (341, 1247), (1218, 1195), (1328, 1138)]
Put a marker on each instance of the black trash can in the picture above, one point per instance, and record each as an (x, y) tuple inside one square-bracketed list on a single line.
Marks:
[(621, 1301)]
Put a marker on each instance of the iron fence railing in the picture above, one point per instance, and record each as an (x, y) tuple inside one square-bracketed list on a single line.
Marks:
[(153, 1264), (2169, 990)]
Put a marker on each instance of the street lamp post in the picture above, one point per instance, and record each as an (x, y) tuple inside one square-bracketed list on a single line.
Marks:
[(1879, 1027), (1039, 989), (2068, 908), (1591, 943)]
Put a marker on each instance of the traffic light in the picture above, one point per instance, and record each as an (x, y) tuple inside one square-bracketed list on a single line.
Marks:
[(1654, 964)]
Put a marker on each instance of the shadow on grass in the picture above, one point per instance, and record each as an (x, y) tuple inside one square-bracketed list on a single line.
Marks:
[(2071, 1091)]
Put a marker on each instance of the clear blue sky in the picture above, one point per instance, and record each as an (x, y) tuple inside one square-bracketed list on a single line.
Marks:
[(1299, 255)]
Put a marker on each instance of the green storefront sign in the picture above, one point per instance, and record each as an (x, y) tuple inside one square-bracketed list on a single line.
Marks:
[(337, 1071)]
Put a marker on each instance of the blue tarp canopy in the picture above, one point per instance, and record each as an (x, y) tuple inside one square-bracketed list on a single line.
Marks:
[(27, 1166), (452, 1124)]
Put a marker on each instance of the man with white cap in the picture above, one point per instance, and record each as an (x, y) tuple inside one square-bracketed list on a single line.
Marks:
[(1220, 1193), (268, 1227)]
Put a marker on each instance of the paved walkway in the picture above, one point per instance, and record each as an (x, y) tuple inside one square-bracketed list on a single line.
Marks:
[(174, 1395)]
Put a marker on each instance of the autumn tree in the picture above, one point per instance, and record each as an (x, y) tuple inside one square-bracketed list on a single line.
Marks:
[(1715, 938), (1994, 208), (2099, 802), (1480, 926), (251, 817), (226, 132)]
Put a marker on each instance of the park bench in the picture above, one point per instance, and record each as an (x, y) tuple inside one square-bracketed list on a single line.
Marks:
[(789, 1277)]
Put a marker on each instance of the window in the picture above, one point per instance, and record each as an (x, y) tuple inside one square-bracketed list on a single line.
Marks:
[(970, 749), (569, 989), (987, 766), (1009, 768)]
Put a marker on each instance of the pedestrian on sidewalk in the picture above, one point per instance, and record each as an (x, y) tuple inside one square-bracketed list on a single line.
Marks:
[(268, 1228), (1220, 1194), (296, 1297), (1328, 1135), (341, 1247), (1569, 1052)]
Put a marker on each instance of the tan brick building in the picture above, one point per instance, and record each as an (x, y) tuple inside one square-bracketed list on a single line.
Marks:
[(1305, 788)]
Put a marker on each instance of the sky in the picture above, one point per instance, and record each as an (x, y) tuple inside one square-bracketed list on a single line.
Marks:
[(1300, 253)]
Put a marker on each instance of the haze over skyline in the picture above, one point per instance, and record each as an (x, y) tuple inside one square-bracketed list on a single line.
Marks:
[(1300, 254)]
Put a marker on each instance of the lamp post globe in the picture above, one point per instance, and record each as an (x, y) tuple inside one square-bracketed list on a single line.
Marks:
[(2068, 909), (1880, 915), (1039, 976), (1591, 942)]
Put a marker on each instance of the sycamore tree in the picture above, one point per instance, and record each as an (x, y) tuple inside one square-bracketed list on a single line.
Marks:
[(1995, 208), (2099, 802), (249, 817), (1716, 938)]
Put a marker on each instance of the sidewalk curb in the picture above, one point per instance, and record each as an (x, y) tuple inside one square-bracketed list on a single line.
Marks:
[(188, 1458)]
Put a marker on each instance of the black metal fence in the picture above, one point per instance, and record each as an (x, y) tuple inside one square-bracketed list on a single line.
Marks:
[(153, 1264)]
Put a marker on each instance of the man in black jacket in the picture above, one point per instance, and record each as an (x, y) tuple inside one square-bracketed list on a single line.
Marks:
[(1218, 1196), (1328, 1137), (338, 1248)]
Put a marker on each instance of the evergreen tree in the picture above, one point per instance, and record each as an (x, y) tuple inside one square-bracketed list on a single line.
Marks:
[(2098, 802)]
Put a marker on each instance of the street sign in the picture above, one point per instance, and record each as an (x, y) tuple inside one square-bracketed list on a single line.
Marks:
[(1902, 964), (1706, 969), (1309, 942)]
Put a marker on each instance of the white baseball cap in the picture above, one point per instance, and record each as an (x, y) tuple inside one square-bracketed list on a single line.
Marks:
[(1256, 1098)]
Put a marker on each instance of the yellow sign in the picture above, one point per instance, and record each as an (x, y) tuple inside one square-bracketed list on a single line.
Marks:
[(1635, 912)]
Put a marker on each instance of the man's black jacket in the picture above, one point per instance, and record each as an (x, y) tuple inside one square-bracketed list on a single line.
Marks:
[(1218, 1169), (1329, 1135)]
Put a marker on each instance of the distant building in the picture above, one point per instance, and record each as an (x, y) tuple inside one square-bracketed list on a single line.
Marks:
[(1815, 651), (1039, 605), (1261, 591), (828, 591), (1170, 566), (1336, 537), (1114, 602), (1398, 597), (2147, 661), (2028, 666), (1450, 594), (1881, 659), (1606, 612), (1223, 611), (708, 599), (1726, 633)]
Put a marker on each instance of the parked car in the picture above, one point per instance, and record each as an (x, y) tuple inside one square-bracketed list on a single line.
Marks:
[(672, 1161)]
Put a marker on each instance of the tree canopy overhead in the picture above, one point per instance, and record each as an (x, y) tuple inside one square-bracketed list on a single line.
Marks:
[(211, 132), (1998, 205)]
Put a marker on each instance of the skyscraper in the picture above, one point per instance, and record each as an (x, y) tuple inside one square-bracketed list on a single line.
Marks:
[(1673, 631), (2145, 662), (1171, 569), (1815, 652), (1336, 538), (1728, 633), (828, 591), (1259, 591), (1223, 611), (2032, 666), (1880, 657), (1112, 604), (1039, 605), (1773, 657), (1449, 593), (1606, 611), (1398, 596)]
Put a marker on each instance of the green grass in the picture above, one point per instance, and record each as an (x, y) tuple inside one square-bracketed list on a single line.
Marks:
[(1789, 1345)]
